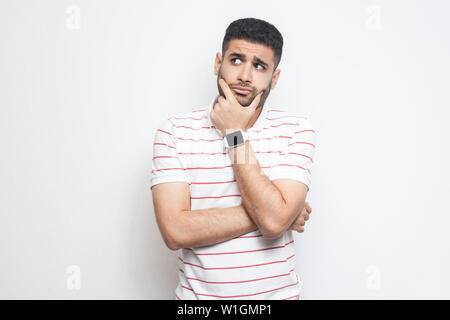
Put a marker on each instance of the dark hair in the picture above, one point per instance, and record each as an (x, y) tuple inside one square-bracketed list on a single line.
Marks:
[(256, 31)]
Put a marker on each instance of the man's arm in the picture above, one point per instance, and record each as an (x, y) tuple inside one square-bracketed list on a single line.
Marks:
[(185, 228), (273, 206)]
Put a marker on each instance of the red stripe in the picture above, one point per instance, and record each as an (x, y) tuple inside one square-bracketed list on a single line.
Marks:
[(282, 124), (164, 157), (275, 110), (165, 131), (208, 154), (209, 167), (270, 138), (287, 116), (220, 139), (236, 267), (267, 151), (187, 288), (190, 153), (241, 281), (311, 130), (177, 296), (301, 143), (188, 118), (168, 169), (275, 151), (230, 195), (301, 155), (192, 127), (296, 296), (214, 182), (163, 144), (200, 168), (235, 252), (198, 110), (244, 295), (305, 131)]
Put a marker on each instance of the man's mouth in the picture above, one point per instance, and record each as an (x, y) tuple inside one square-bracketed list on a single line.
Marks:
[(241, 90)]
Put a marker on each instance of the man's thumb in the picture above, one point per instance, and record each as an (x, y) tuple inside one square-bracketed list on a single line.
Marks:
[(256, 101)]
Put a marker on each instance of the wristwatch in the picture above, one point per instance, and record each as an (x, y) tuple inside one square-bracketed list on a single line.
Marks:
[(235, 139)]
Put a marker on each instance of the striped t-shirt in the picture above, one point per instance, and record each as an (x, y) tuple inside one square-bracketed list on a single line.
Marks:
[(188, 148)]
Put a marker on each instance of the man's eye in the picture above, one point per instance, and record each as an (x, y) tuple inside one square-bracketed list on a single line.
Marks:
[(257, 64)]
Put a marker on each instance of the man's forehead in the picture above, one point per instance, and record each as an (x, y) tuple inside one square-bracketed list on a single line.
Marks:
[(251, 49)]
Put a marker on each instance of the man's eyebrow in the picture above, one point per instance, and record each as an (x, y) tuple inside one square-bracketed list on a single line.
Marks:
[(242, 55)]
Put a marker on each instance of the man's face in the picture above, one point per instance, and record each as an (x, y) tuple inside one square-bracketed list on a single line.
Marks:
[(247, 65)]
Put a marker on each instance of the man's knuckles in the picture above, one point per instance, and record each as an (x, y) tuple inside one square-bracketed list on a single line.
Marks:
[(221, 100)]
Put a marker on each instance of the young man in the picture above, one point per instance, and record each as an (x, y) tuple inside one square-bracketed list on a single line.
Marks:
[(229, 181)]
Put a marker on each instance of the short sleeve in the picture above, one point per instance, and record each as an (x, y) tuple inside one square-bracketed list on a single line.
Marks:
[(296, 160), (166, 166)]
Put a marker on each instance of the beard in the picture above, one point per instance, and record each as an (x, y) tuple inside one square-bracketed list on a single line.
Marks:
[(244, 100)]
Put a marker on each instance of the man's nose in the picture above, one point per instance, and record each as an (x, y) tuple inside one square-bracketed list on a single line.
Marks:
[(245, 74)]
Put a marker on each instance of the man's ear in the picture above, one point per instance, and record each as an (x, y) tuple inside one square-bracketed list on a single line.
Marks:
[(217, 63), (275, 77)]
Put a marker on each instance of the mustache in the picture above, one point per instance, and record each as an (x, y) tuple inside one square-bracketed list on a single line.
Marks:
[(240, 84), (244, 85)]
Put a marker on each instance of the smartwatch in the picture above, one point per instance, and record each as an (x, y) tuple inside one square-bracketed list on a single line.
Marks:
[(235, 139)]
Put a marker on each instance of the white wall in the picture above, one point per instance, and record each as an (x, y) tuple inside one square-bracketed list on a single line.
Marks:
[(84, 84)]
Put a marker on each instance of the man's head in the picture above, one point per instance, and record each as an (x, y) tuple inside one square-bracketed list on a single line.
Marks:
[(251, 52)]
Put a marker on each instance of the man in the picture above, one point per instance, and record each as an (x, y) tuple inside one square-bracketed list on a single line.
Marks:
[(229, 181)]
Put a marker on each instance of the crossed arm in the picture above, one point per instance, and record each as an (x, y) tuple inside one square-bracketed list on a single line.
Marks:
[(185, 228), (270, 206)]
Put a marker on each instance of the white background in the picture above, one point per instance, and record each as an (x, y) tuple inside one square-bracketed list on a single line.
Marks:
[(84, 85)]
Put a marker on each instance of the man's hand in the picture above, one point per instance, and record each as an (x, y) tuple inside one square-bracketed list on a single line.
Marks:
[(299, 224), (228, 114)]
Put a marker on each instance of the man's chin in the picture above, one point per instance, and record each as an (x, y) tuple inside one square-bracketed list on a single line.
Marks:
[(243, 101)]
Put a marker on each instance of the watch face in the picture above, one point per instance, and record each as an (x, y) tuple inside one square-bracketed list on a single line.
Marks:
[(235, 138)]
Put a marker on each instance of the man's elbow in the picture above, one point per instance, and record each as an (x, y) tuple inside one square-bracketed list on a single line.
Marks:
[(271, 230), (275, 227), (171, 232), (171, 243), (176, 240), (172, 237)]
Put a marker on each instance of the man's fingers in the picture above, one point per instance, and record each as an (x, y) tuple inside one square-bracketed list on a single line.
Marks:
[(308, 207), (226, 90), (220, 99), (256, 101), (300, 229)]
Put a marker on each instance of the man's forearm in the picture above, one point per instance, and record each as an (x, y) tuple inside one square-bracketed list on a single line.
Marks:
[(260, 196), (198, 228)]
